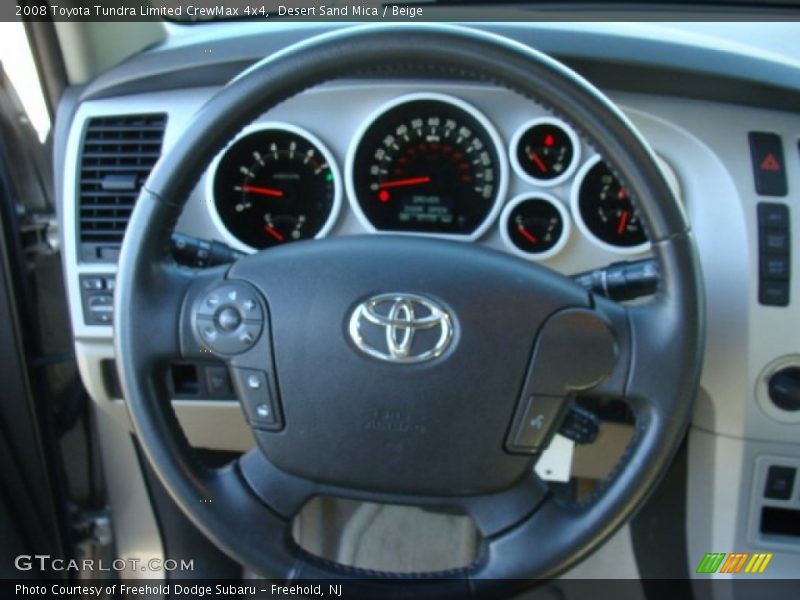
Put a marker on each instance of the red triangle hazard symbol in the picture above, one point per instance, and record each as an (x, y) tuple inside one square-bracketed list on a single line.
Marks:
[(770, 163)]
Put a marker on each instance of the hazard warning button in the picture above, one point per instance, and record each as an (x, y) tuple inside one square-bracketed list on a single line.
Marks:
[(769, 171)]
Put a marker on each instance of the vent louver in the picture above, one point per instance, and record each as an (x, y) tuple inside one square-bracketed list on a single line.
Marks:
[(117, 156)]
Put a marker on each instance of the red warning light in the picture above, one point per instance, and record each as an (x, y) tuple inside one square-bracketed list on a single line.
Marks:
[(384, 195), (770, 163), (549, 140)]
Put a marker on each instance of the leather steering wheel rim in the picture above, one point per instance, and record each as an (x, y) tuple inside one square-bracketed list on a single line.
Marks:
[(660, 343)]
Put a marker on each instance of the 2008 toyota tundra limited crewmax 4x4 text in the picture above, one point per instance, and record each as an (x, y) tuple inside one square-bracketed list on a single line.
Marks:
[(448, 300)]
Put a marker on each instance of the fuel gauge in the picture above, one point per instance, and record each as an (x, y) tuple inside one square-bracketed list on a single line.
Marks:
[(535, 226)]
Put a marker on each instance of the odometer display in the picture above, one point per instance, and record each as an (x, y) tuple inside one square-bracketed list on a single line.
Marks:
[(427, 165)]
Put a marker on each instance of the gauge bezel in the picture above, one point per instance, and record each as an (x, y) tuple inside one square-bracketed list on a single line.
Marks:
[(527, 177), (211, 175), (483, 121), (566, 229), (581, 224)]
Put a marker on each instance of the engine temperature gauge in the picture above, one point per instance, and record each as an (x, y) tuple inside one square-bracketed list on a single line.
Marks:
[(535, 226)]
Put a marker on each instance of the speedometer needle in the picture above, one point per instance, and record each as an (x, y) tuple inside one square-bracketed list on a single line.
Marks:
[(263, 191), (404, 182)]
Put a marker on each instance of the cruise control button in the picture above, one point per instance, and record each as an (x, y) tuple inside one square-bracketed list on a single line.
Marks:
[(533, 426)]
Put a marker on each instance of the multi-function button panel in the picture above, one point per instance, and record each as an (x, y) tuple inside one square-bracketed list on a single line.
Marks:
[(228, 320), (97, 297), (774, 243)]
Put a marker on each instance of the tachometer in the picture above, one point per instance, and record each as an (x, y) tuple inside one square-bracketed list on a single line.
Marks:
[(427, 163), (604, 212), (275, 184)]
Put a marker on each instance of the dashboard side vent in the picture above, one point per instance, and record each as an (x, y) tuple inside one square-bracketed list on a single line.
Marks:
[(116, 158)]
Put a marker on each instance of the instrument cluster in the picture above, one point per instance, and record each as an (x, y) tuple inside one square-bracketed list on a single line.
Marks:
[(424, 164)]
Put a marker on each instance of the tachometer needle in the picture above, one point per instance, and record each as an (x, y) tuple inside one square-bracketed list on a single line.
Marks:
[(252, 189), (274, 233), (623, 222), (404, 182), (526, 234), (538, 162)]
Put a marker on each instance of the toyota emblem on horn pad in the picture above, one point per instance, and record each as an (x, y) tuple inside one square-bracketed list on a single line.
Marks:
[(401, 328)]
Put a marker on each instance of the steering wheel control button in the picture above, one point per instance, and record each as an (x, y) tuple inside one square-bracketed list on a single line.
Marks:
[(259, 398), (533, 424), (780, 481), (766, 152), (229, 318)]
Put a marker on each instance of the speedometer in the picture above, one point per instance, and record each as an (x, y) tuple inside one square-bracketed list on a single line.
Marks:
[(430, 164)]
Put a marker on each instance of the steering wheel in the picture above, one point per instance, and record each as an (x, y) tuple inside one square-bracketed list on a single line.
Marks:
[(485, 351)]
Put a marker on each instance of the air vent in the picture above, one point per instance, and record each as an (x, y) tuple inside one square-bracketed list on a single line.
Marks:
[(118, 154)]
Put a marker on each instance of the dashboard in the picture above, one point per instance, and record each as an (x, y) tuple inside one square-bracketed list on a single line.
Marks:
[(424, 163), (472, 162)]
